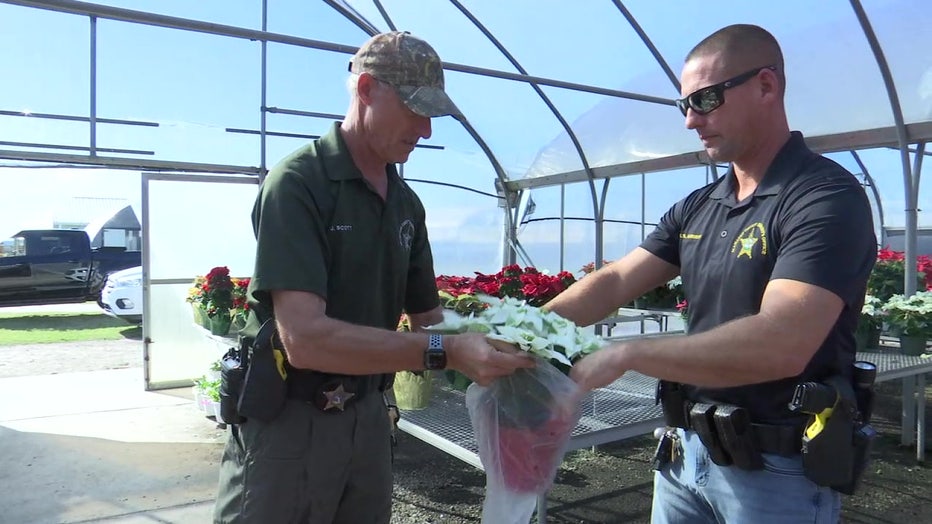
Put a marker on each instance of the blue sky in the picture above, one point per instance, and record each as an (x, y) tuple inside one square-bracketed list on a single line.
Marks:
[(195, 86)]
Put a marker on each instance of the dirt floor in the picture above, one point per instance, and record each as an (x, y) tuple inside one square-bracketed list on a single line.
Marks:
[(608, 485)]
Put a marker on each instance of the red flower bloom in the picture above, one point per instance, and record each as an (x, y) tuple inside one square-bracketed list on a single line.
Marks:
[(888, 254), (489, 288), (889, 274), (512, 281)]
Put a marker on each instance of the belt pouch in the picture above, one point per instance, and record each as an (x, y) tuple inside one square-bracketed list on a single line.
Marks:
[(232, 375), (264, 389), (672, 398), (828, 455), (733, 425), (701, 419)]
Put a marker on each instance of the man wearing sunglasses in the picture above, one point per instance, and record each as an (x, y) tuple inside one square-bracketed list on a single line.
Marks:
[(774, 258)]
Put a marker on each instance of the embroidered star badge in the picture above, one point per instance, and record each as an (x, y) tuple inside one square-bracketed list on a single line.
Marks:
[(337, 398), (747, 244)]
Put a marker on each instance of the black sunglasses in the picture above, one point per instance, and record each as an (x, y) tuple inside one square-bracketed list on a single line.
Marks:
[(708, 99)]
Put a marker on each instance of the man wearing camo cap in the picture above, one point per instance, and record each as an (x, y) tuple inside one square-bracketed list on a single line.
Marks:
[(342, 251)]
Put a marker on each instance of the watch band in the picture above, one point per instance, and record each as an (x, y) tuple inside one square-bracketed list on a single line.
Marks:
[(434, 356)]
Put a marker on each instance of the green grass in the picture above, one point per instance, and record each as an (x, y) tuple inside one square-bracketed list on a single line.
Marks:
[(63, 327)]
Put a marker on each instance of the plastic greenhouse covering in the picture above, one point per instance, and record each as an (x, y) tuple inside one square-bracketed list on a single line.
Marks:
[(571, 147)]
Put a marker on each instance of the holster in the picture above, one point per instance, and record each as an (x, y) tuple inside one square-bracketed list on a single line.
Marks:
[(233, 366), (837, 455), (264, 391)]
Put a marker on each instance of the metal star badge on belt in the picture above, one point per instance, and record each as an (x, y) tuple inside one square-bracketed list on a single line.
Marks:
[(337, 398)]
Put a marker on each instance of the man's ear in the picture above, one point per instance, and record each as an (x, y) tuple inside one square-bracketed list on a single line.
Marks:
[(769, 83), (365, 85)]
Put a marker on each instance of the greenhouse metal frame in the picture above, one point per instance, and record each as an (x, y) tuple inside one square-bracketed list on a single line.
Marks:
[(905, 130)]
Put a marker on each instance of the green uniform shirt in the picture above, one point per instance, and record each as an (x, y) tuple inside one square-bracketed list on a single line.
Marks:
[(321, 228)]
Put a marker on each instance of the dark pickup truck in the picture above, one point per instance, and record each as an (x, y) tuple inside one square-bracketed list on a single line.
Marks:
[(54, 266)]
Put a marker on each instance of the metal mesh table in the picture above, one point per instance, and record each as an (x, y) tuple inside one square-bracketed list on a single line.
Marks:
[(892, 365), (626, 409)]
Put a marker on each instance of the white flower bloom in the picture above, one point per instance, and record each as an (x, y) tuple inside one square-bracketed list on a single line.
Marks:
[(543, 333)]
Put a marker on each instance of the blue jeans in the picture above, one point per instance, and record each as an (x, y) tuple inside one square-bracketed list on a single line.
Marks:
[(693, 489)]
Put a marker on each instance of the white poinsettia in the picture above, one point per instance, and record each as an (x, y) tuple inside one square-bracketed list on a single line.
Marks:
[(543, 333)]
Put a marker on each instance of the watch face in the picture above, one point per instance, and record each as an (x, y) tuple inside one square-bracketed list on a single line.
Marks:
[(435, 359)]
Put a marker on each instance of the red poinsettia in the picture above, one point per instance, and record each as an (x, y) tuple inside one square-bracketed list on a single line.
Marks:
[(888, 276), (512, 281)]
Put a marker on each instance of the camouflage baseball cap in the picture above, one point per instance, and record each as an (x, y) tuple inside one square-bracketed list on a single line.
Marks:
[(411, 66)]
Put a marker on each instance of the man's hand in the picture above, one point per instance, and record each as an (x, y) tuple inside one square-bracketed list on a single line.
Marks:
[(475, 356), (598, 369)]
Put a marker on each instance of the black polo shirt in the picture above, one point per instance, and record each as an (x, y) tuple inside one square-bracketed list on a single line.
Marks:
[(320, 227), (809, 220)]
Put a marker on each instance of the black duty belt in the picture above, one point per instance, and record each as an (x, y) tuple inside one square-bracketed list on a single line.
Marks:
[(333, 393), (779, 440), (726, 426)]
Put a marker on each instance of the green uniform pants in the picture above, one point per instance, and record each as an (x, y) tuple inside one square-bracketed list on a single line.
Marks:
[(309, 467)]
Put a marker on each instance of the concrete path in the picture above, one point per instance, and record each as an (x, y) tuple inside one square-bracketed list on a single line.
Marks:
[(95, 447)]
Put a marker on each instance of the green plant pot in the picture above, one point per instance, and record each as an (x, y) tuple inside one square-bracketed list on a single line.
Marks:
[(237, 324), (412, 390), (912, 345), (200, 316), (220, 324)]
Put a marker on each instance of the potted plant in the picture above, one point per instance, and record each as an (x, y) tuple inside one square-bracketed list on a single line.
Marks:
[(911, 319), (889, 274), (870, 323), (213, 372), (212, 298), (240, 308), (198, 300), (522, 421), (206, 391), (461, 295)]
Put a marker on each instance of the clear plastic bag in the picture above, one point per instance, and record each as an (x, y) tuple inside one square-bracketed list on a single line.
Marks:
[(522, 425)]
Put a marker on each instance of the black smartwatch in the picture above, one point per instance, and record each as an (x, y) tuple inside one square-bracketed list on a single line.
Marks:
[(434, 356)]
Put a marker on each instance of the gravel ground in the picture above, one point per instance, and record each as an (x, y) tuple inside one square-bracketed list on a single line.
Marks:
[(608, 485), (46, 359)]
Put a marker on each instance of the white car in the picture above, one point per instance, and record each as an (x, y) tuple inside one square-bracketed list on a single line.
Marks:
[(121, 296)]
